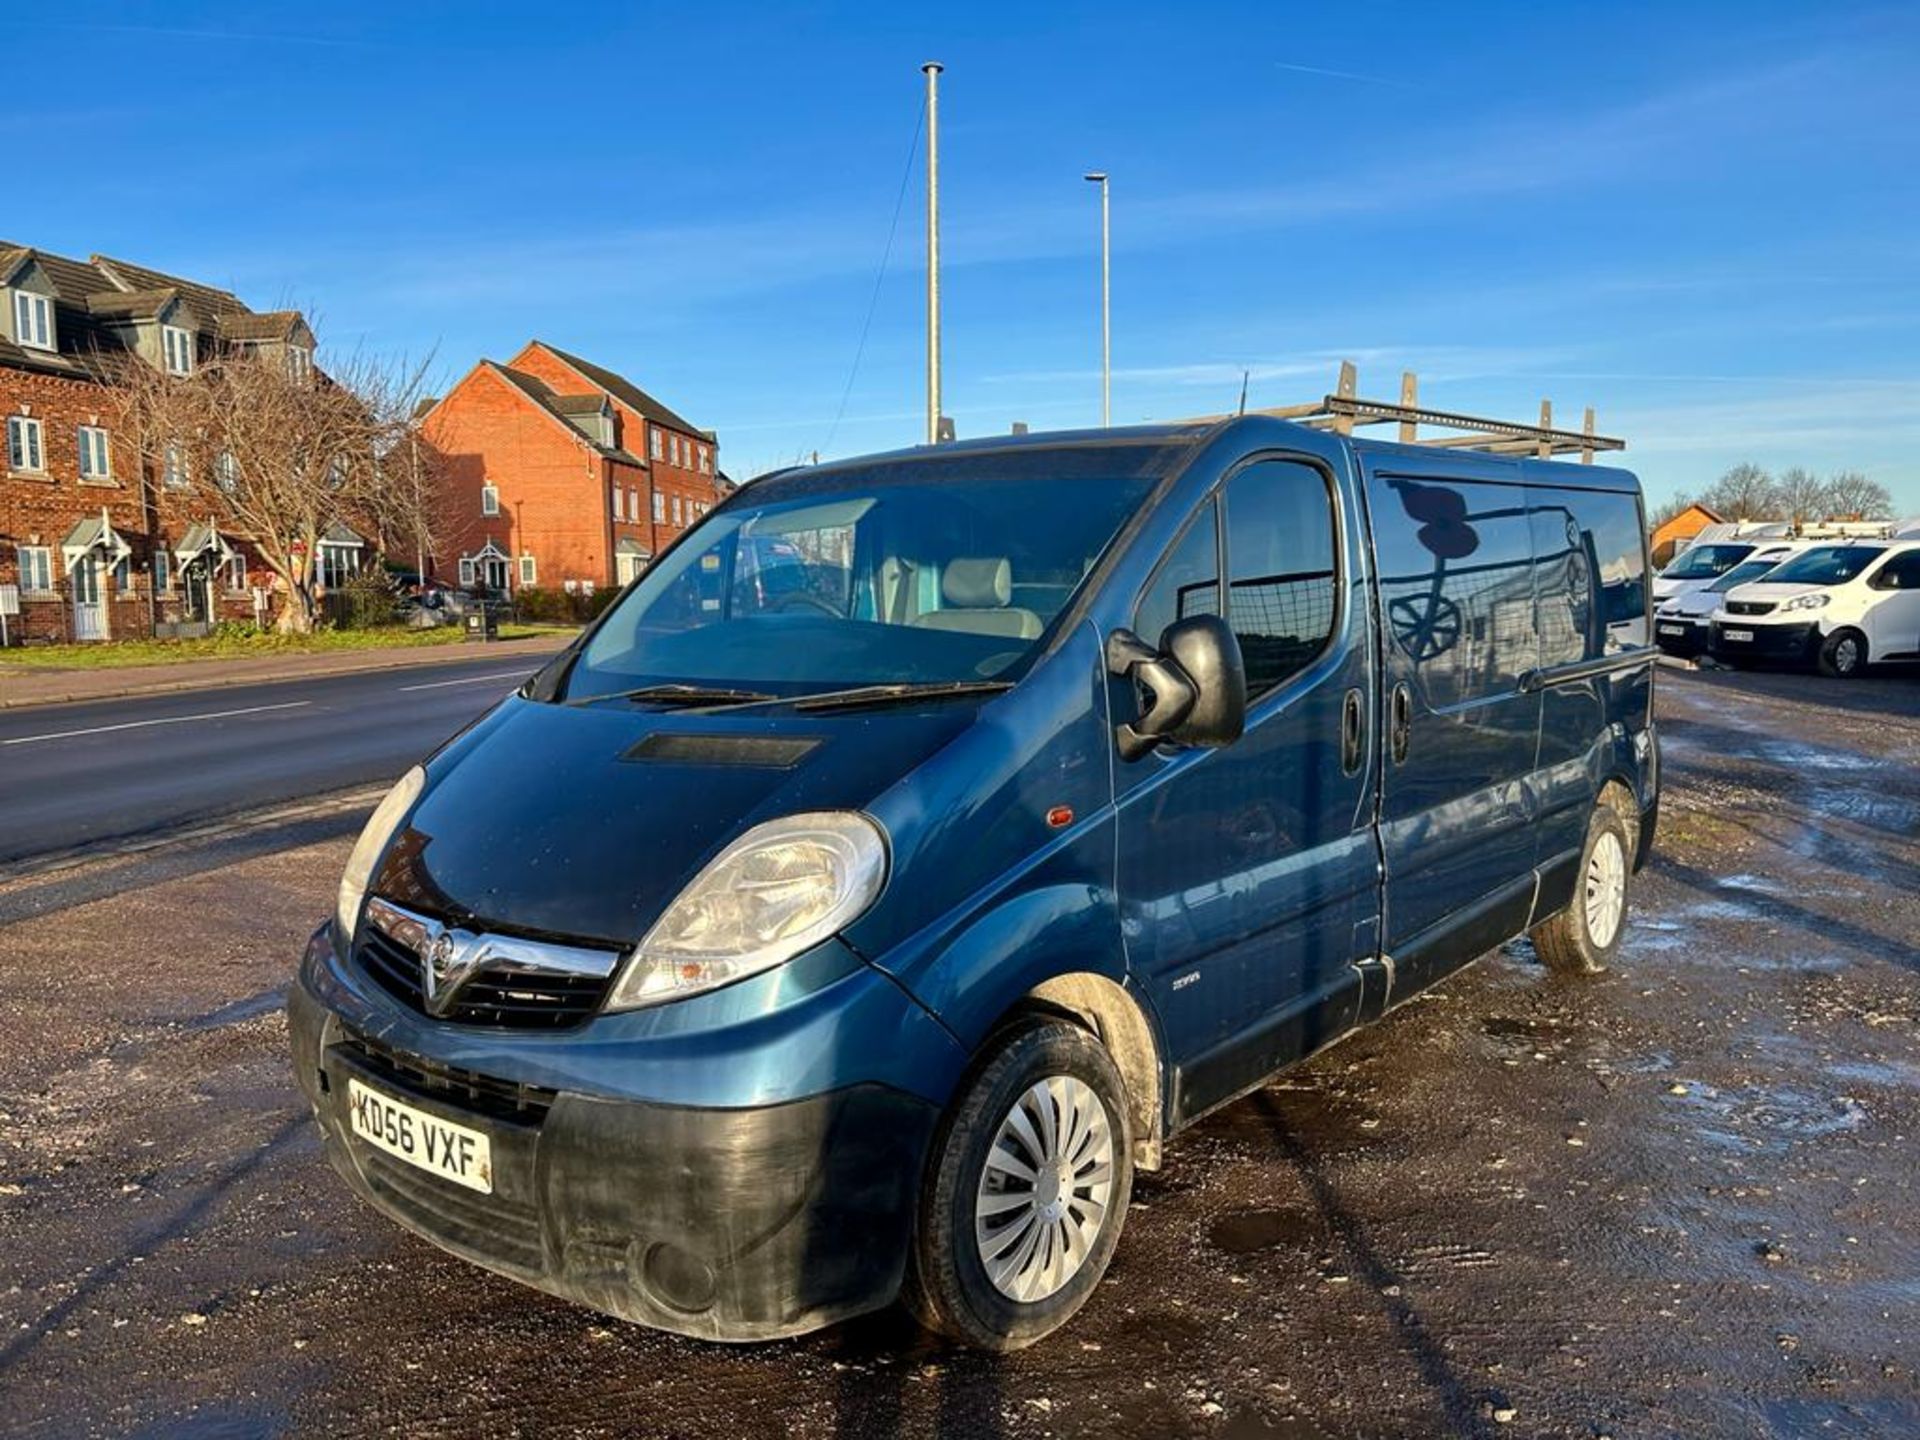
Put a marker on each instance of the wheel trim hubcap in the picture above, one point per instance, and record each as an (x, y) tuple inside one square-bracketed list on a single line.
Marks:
[(1606, 889), (1846, 654), (1044, 1191)]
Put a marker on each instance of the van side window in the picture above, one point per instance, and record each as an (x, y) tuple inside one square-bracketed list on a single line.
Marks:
[(1457, 583), (1900, 573), (1592, 577), (1280, 569), (1187, 582)]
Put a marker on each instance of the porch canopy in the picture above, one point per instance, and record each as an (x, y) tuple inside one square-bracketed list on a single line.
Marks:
[(627, 545), (96, 532), (201, 540)]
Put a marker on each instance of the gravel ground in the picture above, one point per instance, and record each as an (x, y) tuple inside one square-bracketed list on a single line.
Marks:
[(1675, 1200)]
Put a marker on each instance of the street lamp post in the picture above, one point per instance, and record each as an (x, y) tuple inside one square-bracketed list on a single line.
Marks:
[(1099, 177)]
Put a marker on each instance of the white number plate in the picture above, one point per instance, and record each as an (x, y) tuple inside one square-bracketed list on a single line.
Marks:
[(1672, 629), (1736, 635), (439, 1147)]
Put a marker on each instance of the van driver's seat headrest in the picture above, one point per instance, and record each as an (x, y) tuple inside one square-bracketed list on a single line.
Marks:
[(977, 582)]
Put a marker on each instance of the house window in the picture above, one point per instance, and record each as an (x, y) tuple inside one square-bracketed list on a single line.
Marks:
[(123, 575), (178, 344), (466, 573), (659, 507), (528, 571), (173, 467), (489, 500), (299, 364), (338, 563), (706, 460), (236, 569), (226, 471), (24, 450), (676, 510), (162, 571), (95, 462), (619, 504), (658, 444), (32, 320), (36, 569)]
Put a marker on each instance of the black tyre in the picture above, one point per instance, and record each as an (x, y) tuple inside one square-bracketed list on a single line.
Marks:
[(1843, 654), (1026, 1190), (1584, 938)]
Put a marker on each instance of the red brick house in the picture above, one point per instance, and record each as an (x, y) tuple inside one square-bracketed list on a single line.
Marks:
[(92, 547), (562, 474)]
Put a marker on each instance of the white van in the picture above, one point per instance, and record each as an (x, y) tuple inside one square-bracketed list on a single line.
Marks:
[(1680, 624), (1840, 606), (1699, 565)]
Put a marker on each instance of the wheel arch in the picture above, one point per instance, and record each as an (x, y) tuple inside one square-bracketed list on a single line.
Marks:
[(1117, 1020)]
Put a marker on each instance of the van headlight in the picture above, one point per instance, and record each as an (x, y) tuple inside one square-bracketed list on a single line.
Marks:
[(380, 826), (1805, 602), (778, 890)]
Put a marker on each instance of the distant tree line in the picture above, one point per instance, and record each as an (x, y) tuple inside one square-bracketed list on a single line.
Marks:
[(1747, 492)]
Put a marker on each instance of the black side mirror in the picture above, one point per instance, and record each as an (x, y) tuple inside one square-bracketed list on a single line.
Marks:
[(1196, 685)]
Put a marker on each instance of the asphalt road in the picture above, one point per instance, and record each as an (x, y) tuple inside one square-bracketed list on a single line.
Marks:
[(76, 775), (1675, 1200)]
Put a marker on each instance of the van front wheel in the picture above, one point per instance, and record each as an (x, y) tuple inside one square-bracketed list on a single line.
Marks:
[(1843, 654), (1583, 938), (1026, 1190)]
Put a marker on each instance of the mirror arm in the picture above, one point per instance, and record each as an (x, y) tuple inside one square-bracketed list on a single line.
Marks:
[(1173, 693)]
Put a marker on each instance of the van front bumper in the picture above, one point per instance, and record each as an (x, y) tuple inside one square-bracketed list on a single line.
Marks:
[(733, 1224), (1679, 636), (1769, 641)]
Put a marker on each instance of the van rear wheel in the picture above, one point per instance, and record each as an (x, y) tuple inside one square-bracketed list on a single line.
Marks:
[(1026, 1190), (1583, 938)]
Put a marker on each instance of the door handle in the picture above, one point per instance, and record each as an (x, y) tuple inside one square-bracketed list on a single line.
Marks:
[(1402, 725), (1353, 733)]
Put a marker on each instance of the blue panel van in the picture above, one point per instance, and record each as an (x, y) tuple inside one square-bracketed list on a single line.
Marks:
[(924, 840)]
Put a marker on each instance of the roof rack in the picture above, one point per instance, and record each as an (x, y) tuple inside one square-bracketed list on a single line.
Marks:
[(1341, 411)]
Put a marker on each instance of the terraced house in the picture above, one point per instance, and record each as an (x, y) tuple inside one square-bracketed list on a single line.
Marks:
[(562, 474), (93, 543)]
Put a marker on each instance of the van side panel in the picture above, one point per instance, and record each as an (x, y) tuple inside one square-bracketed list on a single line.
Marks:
[(1591, 588), (1454, 550)]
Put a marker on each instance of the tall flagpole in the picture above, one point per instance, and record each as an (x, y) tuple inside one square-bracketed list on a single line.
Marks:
[(932, 71)]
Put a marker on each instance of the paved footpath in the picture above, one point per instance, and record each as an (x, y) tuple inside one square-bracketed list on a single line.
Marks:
[(58, 687)]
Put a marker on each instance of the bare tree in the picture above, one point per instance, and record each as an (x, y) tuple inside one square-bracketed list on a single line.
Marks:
[(1849, 493), (274, 454), (1746, 492), (1802, 495)]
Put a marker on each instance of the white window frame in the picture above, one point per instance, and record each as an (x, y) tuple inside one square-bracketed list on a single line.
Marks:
[(33, 320), (173, 467), (659, 508), (177, 342), (343, 559), (706, 459), (659, 444), (35, 564), (236, 571), (26, 445), (489, 499), (162, 571), (299, 363), (226, 471), (466, 572), (96, 453), (529, 570)]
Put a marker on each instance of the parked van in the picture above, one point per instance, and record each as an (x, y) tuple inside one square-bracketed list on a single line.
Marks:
[(780, 951), (1841, 607), (1698, 566), (1681, 625)]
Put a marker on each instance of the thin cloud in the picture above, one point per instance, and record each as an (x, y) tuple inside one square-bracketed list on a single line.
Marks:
[(1343, 75)]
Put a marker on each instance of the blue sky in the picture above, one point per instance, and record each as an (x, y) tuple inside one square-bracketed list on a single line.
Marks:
[(1701, 219)]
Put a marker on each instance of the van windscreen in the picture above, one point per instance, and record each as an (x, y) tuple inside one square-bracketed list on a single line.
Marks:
[(1826, 565), (917, 572), (1703, 562)]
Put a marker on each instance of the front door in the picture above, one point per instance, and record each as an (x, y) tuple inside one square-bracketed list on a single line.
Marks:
[(1892, 620), (494, 574), (1459, 730), (89, 613), (1248, 875)]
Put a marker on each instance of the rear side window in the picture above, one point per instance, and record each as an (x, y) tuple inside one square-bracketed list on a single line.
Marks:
[(1592, 573), (1457, 584), (1187, 582), (1280, 568)]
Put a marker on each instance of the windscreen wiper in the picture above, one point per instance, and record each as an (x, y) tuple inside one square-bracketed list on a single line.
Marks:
[(862, 696), (679, 695)]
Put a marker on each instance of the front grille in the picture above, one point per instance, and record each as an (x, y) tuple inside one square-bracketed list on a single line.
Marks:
[(503, 995), (1750, 607), (452, 1085)]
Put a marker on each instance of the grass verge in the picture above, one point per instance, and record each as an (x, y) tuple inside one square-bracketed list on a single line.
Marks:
[(233, 643)]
